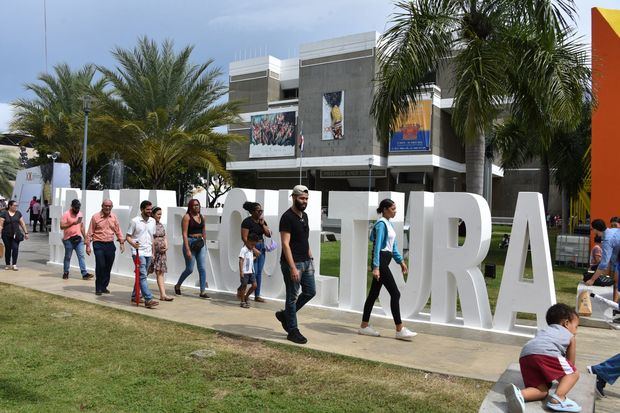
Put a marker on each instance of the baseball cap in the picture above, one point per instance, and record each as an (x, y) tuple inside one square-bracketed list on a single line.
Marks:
[(300, 189), (76, 203)]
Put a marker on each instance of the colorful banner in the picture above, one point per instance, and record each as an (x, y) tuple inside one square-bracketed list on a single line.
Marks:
[(414, 133), (333, 116), (272, 135)]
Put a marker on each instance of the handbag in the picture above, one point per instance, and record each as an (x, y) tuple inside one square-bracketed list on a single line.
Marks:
[(271, 246), (602, 281), (75, 240), (584, 304), (197, 245)]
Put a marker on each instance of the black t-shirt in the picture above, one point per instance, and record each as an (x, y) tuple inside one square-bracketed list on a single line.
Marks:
[(300, 230), (253, 227), (11, 223)]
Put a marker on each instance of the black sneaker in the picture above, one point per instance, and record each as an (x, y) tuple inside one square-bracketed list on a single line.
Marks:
[(282, 319), (98, 293), (296, 337), (600, 386), (65, 275), (87, 277), (106, 291)]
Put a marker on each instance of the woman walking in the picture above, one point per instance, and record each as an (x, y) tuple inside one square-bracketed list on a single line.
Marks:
[(10, 223), (194, 247), (160, 247), (255, 224), (385, 248)]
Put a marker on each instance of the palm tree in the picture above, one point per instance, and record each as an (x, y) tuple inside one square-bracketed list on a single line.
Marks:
[(549, 113), (9, 165), (54, 118), (161, 111), (478, 35)]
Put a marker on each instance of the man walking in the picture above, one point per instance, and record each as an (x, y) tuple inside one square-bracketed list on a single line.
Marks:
[(140, 238), (611, 248), (296, 262), (36, 215), (72, 225), (101, 231), (29, 210)]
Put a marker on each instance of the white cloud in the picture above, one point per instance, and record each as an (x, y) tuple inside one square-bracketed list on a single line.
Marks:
[(268, 16), (6, 114)]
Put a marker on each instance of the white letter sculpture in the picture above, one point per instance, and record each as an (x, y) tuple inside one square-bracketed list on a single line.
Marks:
[(453, 263), (516, 293)]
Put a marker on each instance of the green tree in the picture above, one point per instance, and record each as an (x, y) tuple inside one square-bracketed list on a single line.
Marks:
[(160, 111), (548, 117), (484, 39), (9, 165), (54, 118)]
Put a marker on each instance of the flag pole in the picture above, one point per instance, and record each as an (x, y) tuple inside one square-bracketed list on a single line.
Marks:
[(301, 149)]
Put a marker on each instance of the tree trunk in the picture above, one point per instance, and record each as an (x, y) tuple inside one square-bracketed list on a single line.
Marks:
[(565, 212), (543, 183), (474, 165)]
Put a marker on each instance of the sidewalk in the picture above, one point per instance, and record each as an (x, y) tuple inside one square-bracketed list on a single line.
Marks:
[(446, 350)]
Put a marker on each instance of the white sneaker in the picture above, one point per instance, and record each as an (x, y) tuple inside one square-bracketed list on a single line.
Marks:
[(368, 331), (8, 267), (15, 268), (405, 334), (514, 399)]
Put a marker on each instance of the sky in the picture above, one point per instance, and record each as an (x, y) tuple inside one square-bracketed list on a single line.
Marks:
[(85, 31)]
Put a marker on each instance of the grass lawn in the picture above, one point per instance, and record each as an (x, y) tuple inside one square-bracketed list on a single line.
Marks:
[(566, 278), (105, 360)]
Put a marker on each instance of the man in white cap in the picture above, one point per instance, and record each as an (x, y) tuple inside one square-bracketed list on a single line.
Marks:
[(296, 263)]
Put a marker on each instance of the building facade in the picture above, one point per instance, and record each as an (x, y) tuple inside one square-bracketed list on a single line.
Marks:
[(325, 95)]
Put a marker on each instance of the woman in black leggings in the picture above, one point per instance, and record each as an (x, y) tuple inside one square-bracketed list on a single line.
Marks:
[(385, 248), (13, 231)]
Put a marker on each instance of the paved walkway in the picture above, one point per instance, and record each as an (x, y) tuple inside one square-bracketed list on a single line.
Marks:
[(447, 350)]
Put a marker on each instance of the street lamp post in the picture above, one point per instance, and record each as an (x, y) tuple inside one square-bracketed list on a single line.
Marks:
[(370, 161), (86, 100), (53, 156)]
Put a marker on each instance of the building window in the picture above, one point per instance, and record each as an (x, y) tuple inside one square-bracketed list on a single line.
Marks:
[(290, 93)]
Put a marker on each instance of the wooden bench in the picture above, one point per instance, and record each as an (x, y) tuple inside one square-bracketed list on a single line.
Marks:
[(583, 393)]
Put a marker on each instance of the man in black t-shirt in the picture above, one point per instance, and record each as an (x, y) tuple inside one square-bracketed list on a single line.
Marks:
[(296, 263)]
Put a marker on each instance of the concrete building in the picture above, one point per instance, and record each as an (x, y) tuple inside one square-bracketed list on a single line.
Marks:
[(341, 147)]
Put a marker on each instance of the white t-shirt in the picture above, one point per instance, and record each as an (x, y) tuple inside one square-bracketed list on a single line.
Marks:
[(391, 236), (142, 231), (248, 260)]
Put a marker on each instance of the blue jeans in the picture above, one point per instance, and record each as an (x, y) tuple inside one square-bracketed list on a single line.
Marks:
[(144, 286), (201, 258), (609, 370), (105, 253), (294, 300), (259, 263), (79, 251)]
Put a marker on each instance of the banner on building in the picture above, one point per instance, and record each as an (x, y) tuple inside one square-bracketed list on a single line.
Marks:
[(333, 115), (272, 135), (414, 132)]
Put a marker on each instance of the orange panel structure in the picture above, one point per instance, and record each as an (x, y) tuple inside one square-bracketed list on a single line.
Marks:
[(606, 117)]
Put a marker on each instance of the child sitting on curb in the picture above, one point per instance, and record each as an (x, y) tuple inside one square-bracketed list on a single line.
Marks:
[(549, 356), (246, 270)]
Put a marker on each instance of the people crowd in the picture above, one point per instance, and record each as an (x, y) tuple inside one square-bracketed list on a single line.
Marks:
[(273, 130)]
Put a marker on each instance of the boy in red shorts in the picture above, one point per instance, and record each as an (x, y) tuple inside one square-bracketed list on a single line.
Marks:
[(549, 356)]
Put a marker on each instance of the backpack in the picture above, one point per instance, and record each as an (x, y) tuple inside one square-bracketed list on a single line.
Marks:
[(373, 239)]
